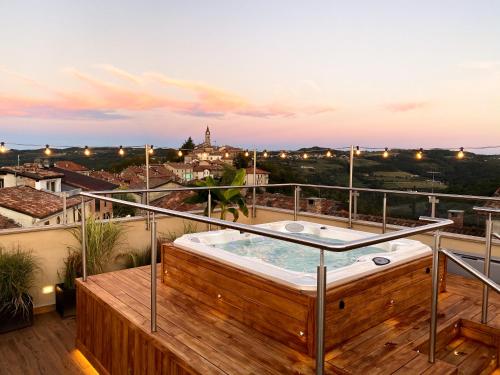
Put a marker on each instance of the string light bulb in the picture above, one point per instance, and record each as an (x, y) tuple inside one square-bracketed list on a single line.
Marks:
[(121, 151), (460, 154), (179, 153), (358, 151), (226, 155), (283, 154), (265, 154), (151, 150), (3, 149), (420, 154), (386, 153), (86, 151), (47, 150), (305, 156), (247, 154), (329, 154)]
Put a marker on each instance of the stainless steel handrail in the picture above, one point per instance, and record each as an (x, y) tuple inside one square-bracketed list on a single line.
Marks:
[(487, 256), (187, 188), (321, 245), (331, 187), (438, 223), (479, 275)]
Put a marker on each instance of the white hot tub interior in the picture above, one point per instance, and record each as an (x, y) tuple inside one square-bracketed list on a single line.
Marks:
[(295, 264)]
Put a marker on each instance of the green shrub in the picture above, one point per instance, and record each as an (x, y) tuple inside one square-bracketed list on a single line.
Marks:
[(72, 268), (17, 276), (137, 257), (187, 227), (102, 240)]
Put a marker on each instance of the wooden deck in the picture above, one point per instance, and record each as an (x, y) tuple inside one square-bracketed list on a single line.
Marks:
[(46, 348), (193, 338)]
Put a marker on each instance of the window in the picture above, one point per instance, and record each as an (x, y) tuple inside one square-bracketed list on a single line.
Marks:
[(1, 183)]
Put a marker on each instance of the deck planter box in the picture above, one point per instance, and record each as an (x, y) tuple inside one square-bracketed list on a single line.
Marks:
[(10, 321), (65, 301)]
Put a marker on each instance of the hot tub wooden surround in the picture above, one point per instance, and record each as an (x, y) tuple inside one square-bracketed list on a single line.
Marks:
[(289, 315), (113, 331)]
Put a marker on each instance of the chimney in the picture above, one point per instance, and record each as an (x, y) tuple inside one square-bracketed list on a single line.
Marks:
[(457, 216), (315, 205)]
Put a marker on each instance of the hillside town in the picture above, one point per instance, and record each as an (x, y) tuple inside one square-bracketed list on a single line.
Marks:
[(43, 192)]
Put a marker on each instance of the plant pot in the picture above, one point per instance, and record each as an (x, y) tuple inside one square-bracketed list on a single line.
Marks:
[(65, 301), (10, 320)]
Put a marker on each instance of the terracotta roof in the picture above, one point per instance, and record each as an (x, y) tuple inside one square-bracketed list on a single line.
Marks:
[(249, 170), (135, 176), (70, 166), (32, 202), (154, 182), (33, 171), (6, 223), (108, 176), (175, 201), (179, 165), (276, 200), (81, 181)]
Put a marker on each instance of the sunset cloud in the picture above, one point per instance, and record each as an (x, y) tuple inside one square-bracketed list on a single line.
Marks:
[(481, 65), (405, 106), (102, 99)]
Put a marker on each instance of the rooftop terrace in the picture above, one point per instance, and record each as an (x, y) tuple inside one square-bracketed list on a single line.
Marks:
[(194, 337)]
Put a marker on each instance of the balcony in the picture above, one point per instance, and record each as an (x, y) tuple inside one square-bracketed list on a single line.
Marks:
[(193, 337)]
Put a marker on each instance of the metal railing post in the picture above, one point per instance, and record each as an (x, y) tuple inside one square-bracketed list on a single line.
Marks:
[(154, 257), (351, 174), (434, 298), (296, 202), (148, 214), (487, 260), (355, 195), (433, 201), (384, 213), (320, 314), (254, 190), (84, 240), (209, 208), (65, 208)]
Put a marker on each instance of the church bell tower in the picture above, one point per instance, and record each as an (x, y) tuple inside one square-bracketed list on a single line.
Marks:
[(207, 138)]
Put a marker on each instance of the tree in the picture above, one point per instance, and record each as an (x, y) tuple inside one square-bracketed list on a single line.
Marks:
[(120, 210), (228, 175), (225, 199), (188, 144), (240, 161)]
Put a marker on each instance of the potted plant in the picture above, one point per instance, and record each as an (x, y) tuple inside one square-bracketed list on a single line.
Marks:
[(102, 239), (66, 291), (17, 277)]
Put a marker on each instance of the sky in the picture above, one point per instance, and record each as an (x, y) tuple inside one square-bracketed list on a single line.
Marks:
[(271, 74)]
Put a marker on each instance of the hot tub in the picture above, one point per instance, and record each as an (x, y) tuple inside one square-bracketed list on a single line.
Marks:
[(295, 265), (270, 285)]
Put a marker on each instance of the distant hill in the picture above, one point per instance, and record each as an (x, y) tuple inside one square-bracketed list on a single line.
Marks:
[(475, 174)]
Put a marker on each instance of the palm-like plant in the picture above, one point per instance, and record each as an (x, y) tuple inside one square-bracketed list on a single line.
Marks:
[(227, 200)]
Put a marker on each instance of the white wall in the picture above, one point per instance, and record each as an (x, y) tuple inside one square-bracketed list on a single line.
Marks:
[(262, 179)]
